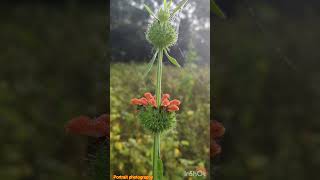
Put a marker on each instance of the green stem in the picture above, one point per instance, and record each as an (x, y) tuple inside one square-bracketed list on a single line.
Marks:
[(156, 155), (156, 143), (159, 76)]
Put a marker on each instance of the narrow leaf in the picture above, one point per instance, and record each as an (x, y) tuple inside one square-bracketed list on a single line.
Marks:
[(170, 3), (171, 59), (179, 6), (150, 64), (165, 4), (150, 12), (215, 8)]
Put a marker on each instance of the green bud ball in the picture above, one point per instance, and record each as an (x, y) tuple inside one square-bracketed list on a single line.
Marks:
[(161, 34), (156, 120)]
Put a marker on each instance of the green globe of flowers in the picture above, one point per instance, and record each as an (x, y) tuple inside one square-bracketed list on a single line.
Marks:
[(156, 120), (161, 35)]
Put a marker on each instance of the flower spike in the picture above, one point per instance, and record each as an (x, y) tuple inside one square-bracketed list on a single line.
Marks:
[(159, 115)]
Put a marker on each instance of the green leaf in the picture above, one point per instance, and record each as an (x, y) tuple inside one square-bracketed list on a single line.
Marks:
[(150, 12), (179, 6), (215, 8), (171, 59), (150, 64), (165, 4), (170, 3)]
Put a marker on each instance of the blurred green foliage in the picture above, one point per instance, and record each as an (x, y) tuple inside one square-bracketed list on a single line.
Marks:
[(52, 68), (267, 92), (182, 149)]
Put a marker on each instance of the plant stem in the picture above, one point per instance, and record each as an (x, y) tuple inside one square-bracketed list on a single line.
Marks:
[(159, 76), (156, 143), (156, 155)]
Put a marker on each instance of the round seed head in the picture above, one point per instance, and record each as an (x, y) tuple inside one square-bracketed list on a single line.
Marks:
[(161, 34)]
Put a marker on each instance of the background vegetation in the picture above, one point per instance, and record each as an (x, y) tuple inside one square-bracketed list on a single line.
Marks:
[(184, 148), (52, 68), (266, 89)]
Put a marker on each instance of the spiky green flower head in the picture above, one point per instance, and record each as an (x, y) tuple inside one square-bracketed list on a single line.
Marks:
[(155, 120), (154, 117), (161, 33)]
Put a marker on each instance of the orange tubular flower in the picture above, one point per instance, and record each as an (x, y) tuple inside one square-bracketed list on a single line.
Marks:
[(175, 102), (165, 96), (144, 101), (216, 132), (148, 96), (84, 125), (153, 102), (215, 149), (149, 99), (136, 101), (173, 108), (217, 129), (165, 102)]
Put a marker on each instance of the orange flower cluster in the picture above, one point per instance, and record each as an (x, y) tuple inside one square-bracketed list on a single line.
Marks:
[(216, 132), (84, 125), (149, 99)]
